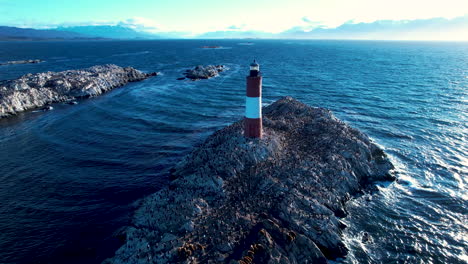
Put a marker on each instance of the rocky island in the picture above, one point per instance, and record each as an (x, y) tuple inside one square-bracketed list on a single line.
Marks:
[(211, 47), (273, 200), (203, 72), (21, 62), (32, 91)]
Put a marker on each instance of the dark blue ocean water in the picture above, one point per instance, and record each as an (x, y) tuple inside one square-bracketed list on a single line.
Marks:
[(69, 178)]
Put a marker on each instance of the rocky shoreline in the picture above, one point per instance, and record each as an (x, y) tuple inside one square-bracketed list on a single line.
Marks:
[(274, 200), (32, 91)]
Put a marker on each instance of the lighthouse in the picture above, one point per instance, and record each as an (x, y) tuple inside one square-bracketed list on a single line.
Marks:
[(253, 103)]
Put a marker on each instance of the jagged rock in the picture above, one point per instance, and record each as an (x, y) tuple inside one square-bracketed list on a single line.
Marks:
[(48, 108), (366, 238), (272, 200), (36, 90), (204, 72), (21, 62)]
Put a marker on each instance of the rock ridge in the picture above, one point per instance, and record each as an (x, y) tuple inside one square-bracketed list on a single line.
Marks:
[(32, 91), (274, 200)]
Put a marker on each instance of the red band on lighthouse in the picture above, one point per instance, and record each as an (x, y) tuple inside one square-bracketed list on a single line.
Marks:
[(254, 86), (253, 128), (253, 104)]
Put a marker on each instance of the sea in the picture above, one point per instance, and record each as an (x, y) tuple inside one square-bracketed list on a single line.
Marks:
[(71, 178)]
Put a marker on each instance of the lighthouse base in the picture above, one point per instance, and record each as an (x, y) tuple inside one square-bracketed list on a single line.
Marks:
[(253, 127)]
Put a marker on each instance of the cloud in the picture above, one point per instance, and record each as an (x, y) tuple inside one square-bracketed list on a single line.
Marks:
[(312, 23), (306, 19), (141, 24), (235, 34), (82, 24), (351, 21), (236, 27), (305, 25)]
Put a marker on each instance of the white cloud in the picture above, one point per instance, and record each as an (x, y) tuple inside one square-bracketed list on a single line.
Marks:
[(306, 19), (141, 24), (307, 24), (237, 27)]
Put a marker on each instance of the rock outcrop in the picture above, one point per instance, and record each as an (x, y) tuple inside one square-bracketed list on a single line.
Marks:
[(274, 200), (204, 72), (37, 90), (21, 62)]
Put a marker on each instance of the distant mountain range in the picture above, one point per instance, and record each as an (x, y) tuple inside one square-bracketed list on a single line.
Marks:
[(422, 29), (111, 32), (13, 33), (73, 33)]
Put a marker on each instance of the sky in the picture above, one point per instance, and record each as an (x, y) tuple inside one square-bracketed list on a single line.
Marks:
[(198, 16)]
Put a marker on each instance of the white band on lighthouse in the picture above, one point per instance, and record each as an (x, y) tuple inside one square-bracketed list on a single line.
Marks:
[(253, 107)]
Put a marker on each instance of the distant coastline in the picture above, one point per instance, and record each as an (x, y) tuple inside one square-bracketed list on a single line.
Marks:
[(49, 39)]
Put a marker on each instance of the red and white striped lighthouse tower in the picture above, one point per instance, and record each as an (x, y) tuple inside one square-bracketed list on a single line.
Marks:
[(253, 103)]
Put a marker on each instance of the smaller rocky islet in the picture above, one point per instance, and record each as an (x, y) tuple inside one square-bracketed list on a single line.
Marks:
[(203, 72), (271, 200), (21, 62)]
